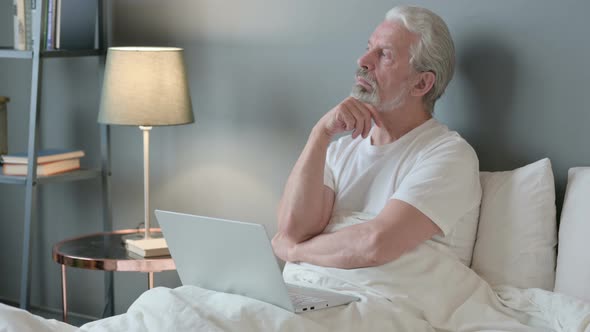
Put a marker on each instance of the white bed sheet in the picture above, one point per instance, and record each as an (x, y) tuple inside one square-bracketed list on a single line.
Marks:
[(16, 320), (427, 289)]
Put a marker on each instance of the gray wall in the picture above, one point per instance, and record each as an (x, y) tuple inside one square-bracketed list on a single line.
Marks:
[(261, 74)]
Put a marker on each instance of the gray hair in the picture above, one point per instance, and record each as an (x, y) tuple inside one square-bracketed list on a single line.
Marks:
[(434, 51)]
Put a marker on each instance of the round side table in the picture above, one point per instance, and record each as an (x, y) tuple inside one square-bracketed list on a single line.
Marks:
[(105, 252)]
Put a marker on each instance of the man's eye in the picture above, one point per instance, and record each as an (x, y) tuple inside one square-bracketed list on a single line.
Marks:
[(385, 54)]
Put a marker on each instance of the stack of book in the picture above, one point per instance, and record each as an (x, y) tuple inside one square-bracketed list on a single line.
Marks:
[(23, 35), (66, 24), (148, 247), (49, 162)]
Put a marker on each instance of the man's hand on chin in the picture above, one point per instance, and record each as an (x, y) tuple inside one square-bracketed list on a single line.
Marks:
[(283, 247)]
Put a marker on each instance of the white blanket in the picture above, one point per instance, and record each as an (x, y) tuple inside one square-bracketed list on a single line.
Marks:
[(16, 320), (422, 291), (427, 289)]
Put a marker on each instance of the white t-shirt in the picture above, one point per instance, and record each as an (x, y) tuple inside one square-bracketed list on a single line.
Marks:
[(431, 168)]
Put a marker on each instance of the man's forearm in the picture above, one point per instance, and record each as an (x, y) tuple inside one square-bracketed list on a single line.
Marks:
[(302, 205), (351, 247), (398, 228)]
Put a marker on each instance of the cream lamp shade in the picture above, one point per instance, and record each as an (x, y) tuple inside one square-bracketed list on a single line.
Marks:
[(145, 86)]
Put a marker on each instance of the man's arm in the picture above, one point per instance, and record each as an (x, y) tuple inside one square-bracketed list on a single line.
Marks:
[(399, 227), (304, 209), (306, 204)]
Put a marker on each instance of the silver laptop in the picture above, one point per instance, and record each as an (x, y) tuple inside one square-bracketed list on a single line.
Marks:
[(236, 257)]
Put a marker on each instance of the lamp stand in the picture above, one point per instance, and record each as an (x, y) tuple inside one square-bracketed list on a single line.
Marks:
[(146, 179), (145, 242)]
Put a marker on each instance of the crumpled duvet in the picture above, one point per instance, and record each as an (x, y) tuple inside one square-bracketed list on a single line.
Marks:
[(427, 289), (542, 308), (435, 299)]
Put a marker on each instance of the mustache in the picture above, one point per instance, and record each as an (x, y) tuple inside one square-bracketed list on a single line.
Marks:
[(364, 74)]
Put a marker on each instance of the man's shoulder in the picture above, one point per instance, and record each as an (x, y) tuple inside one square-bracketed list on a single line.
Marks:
[(440, 140)]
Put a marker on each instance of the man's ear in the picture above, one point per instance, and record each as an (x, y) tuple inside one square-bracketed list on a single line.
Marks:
[(424, 84)]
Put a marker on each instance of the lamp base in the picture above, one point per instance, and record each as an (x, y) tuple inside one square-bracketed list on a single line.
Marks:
[(141, 236)]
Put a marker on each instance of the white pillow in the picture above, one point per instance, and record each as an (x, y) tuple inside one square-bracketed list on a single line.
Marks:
[(516, 236), (573, 260)]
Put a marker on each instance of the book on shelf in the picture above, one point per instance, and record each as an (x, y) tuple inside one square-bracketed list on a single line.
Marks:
[(20, 30), (30, 24), (148, 247), (43, 156), (65, 24), (24, 24), (49, 25), (46, 169)]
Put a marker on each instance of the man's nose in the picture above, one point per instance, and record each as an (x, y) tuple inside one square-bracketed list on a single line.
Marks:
[(366, 61)]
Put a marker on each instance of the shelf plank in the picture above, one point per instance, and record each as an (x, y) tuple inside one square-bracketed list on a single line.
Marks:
[(12, 179), (10, 53), (81, 174), (14, 54), (70, 53)]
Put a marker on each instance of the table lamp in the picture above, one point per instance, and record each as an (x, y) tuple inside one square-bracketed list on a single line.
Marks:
[(145, 87)]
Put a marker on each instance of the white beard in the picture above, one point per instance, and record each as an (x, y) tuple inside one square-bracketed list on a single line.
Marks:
[(360, 93), (373, 98), (396, 101)]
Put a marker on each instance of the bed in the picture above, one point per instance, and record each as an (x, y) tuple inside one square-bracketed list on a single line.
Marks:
[(512, 284)]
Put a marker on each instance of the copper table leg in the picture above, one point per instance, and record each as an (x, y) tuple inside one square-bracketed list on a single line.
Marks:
[(150, 280), (64, 295)]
